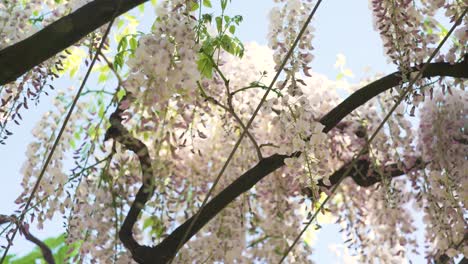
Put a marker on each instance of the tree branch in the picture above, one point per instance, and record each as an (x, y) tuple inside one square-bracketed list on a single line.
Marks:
[(46, 252), (363, 95), (24, 55), (21, 57), (24, 229), (165, 251), (119, 133)]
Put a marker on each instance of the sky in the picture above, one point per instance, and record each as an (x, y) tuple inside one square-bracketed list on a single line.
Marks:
[(342, 27)]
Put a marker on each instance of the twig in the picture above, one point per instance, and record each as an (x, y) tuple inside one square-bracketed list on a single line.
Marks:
[(24, 229)]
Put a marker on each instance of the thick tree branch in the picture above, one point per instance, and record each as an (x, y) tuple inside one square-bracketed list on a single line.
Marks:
[(166, 249), (24, 55), (119, 133), (363, 95), (21, 57)]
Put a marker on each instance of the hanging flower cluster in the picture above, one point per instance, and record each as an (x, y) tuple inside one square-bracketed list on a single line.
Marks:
[(285, 24), (443, 145), (50, 197), (410, 32), (164, 64), (19, 20)]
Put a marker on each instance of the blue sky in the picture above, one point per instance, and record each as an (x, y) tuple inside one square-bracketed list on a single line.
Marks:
[(341, 27)]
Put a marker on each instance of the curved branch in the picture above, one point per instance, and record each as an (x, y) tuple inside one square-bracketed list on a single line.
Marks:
[(366, 93), (166, 249), (119, 133), (45, 250), (21, 57), (24, 229), (24, 55)]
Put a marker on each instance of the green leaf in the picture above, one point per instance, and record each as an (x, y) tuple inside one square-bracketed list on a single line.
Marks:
[(133, 43), (92, 131), (237, 19), (102, 77), (118, 61), (205, 66), (207, 3), (207, 18), (120, 94), (101, 111), (227, 19), (219, 24), (72, 143), (29, 258), (120, 23), (122, 44), (194, 6), (58, 248), (147, 223), (189, 195), (223, 4), (232, 29), (73, 71), (232, 45), (61, 255), (55, 242)]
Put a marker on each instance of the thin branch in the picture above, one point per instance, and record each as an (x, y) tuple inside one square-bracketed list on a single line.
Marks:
[(217, 69), (230, 110), (46, 252), (24, 229), (111, 67), (254, 142)]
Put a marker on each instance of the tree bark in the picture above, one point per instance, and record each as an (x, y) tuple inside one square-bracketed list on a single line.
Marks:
[(21, 57)]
